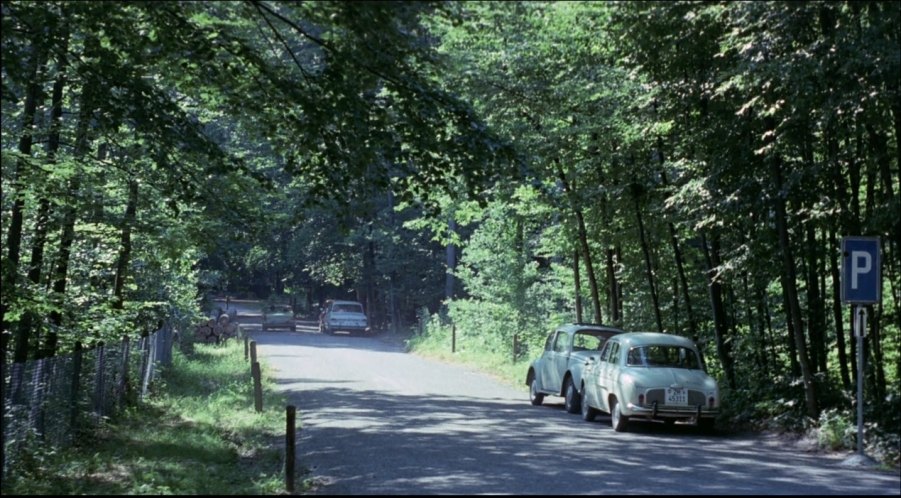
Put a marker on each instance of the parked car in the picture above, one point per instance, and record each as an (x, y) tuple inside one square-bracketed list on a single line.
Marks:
[(277, 316), (344, 316), (649, 376), (567, 350)]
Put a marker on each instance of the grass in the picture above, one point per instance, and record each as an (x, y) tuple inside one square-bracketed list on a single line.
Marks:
[(197, 434), (496, 363)]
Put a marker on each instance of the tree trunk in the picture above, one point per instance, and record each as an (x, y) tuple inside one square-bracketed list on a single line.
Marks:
[(837, 311), (674, 241), (720, 326), (39, 241), (67, 237), (578, 285), (450, 260), (583, 243), (613, 285), (125, 246), (647, 260), (14, 235), (790, 282)]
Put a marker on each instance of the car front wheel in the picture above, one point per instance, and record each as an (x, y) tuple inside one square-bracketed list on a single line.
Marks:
[(617, 419), (571, 397), (588, 413), (535, 397)]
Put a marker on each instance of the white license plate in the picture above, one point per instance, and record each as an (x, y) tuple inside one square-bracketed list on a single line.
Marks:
[(676, 396)]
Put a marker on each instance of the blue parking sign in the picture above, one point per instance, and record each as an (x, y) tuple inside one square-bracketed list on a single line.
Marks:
[(861, 270)]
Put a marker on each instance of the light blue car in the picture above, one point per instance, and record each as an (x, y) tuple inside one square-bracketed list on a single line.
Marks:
[(567, 350), (649, 376)]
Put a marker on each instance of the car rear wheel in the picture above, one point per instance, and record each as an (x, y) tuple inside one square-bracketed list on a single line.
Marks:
[(571, 397), (617, 419), (707, 425), (588, 413), (535, 397)]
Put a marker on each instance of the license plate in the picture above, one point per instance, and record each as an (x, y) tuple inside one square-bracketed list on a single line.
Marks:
[(678, 396)]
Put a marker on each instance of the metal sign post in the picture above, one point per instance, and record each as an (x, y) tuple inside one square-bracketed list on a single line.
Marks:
[(860, 331), (861, 285)]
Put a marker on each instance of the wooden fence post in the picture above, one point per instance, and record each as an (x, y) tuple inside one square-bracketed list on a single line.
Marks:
[(76, 383), (123, 376), (253, 352), (98, 382), (454, 338), (4, 342), (257, 386), (246, 346), (290, 417)]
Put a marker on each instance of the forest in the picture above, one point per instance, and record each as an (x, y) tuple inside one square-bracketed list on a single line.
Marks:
[(680, 166)]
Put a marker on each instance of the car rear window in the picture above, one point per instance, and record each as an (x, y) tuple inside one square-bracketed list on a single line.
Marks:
[(663, 356), (348, 308)]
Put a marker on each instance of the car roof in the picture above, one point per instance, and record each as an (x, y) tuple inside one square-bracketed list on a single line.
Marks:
[(643, 338), (572, 328), (338, 301)]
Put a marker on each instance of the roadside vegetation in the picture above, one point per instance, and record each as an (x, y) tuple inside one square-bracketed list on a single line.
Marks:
[(495, 167), (197, 434)]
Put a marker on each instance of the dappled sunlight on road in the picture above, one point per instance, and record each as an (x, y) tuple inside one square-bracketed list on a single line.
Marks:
[(379, 421)]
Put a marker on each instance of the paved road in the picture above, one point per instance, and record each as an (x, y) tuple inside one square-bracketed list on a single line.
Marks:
[(377, 420)]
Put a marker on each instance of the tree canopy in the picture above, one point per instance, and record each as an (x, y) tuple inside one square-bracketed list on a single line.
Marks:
[(688, 167)]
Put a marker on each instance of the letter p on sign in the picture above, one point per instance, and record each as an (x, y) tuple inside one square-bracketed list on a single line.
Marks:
[(861, 270)]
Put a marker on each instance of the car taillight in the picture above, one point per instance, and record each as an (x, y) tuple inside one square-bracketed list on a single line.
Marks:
[(641, 399), (711, 402)]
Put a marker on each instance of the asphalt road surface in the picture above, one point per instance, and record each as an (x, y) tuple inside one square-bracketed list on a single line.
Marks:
[(377, 420)]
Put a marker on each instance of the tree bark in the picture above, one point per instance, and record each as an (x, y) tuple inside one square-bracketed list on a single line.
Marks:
[(39, 240), (791, 291), (578, 285), (583, 243), (450, 260), (14, 235), (82, 141), (720, 326), (647, 260), (124, 257)]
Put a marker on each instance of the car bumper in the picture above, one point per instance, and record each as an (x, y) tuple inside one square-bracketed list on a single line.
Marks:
[(349, 326), (662, 412)]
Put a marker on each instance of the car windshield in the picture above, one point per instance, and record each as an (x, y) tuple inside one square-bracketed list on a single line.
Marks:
[(348, 308), (663, 356)]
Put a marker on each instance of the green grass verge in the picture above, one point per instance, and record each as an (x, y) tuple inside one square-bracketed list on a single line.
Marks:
[(198, 433), (497, 362)]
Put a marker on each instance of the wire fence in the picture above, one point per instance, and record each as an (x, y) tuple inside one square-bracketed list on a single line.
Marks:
[(47, 402)]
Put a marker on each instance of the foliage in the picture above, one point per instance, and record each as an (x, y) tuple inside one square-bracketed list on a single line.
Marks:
[(699, 162), (198, 435)]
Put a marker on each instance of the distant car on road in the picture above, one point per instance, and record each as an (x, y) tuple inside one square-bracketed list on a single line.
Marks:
[(649, 376), (276, 316), (345, 316), (558, 371)]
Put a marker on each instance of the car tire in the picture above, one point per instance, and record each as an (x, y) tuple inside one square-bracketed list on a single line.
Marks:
[(571, 397), (707, 425), (588, 413), (617, 419), (535, 397)]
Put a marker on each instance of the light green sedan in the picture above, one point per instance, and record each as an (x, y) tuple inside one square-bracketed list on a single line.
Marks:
[(277, 316), (649, 376)]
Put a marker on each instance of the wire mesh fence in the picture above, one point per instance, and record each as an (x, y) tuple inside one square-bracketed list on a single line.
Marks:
[(49, 401)]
